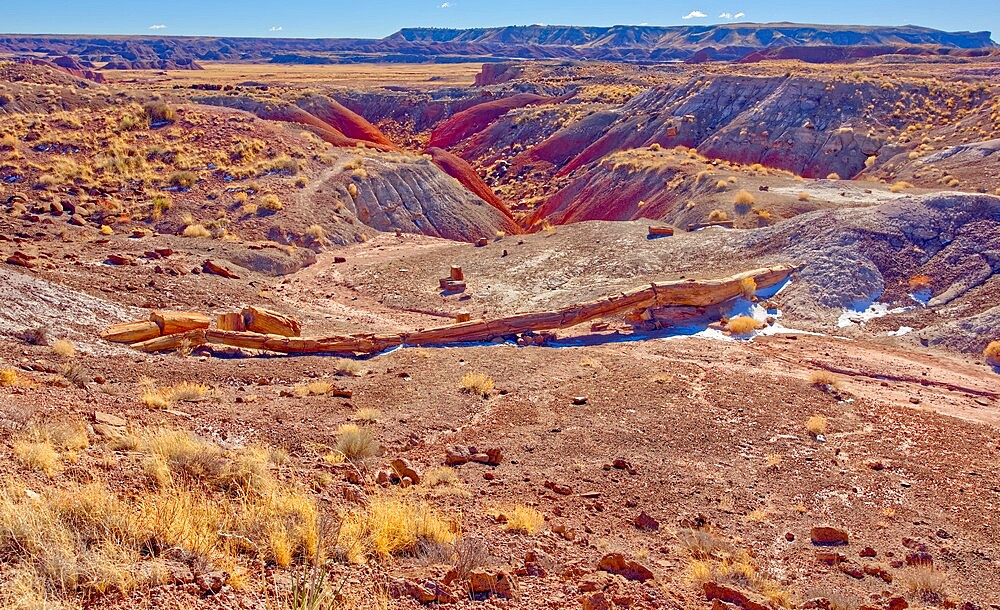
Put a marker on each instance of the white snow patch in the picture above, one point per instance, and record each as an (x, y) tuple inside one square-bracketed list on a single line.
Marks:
[(899, 333), (874, 311)]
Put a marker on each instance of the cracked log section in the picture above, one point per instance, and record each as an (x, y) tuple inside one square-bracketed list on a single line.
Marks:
[(653, 297)]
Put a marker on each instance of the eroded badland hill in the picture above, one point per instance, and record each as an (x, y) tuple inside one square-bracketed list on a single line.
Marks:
[(560, 333)]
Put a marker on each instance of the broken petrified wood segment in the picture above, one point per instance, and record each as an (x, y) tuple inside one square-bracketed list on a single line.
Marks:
[(718, 223), (173, 322), (219, 269), (168, 343), (130, 332), (231, 321), (450, 285), (267, 322), (457, 274), (661, 231), (462, 316)]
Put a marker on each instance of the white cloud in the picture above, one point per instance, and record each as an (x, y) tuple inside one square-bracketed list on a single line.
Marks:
[(739, 15), (728, 15), (445, 5), (695, 15), (276, 28), (158, 26)]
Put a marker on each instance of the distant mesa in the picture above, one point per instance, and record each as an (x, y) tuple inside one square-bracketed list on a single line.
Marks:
[(639, 44)]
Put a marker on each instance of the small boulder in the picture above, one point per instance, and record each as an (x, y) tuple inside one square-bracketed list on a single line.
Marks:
[(405, 470), (747, 600), (645, 522), (615, 563), (828, 536), (499, 583)]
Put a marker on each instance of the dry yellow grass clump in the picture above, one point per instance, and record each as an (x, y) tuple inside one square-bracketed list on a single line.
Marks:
[(900, 187), (742, 325), (717, 216), (477, 383), (9, 377), (221, 507), (822, 379), (164, 397), (64, 348), (392, 525), (313, 388), (744, 198), (805, 197), (355, 442), (524, 519), (816, 425), (992, 353)]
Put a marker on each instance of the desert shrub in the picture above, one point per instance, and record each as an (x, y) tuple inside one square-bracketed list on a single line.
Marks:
[(477, 383), (64, 348), (391, 526), (316, 232), (524, 519), (355, 442), (833, 176), (744, 198), (161, 203), (748, 288), (9, 377), (441, 475), (8, 142), (196, 230), (367, 415), (159, 112), (182, 179), (717, 216), (822, 379), (992, 353), (926, 582), (900, 187), (270, 202), (742, 325), (816, 425), (919, 282), (313, 388), (804, 197), (721, 185)]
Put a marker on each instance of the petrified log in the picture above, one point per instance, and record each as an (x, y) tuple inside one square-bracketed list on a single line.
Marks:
[(684, 294), (211, 266), (173, 322), (231, 321), (717, 223), (267, 322), (457, 274), (130, 332), (168, 343), (661, 231), (462, 316)]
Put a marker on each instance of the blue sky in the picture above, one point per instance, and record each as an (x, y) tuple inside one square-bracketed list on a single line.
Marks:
[(375, 18)]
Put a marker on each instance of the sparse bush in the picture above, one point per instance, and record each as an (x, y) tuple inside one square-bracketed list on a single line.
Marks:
[(926, 582), (900, 187), (816, 425), (804, 197), (196, 230), (992, 353), (9, 377), (355, 442), (744, 198), (822, 379), (717, 216), (367, 415), (182, 179), (345, 367), (8, 142), (316, 232), (524, 519), (833, 176), (477, 383), (748, 288), (721, 185), (313, 388), (441, 475), (270, 202), (159, 112), (742, 325), (64, 348), (392, 526)]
